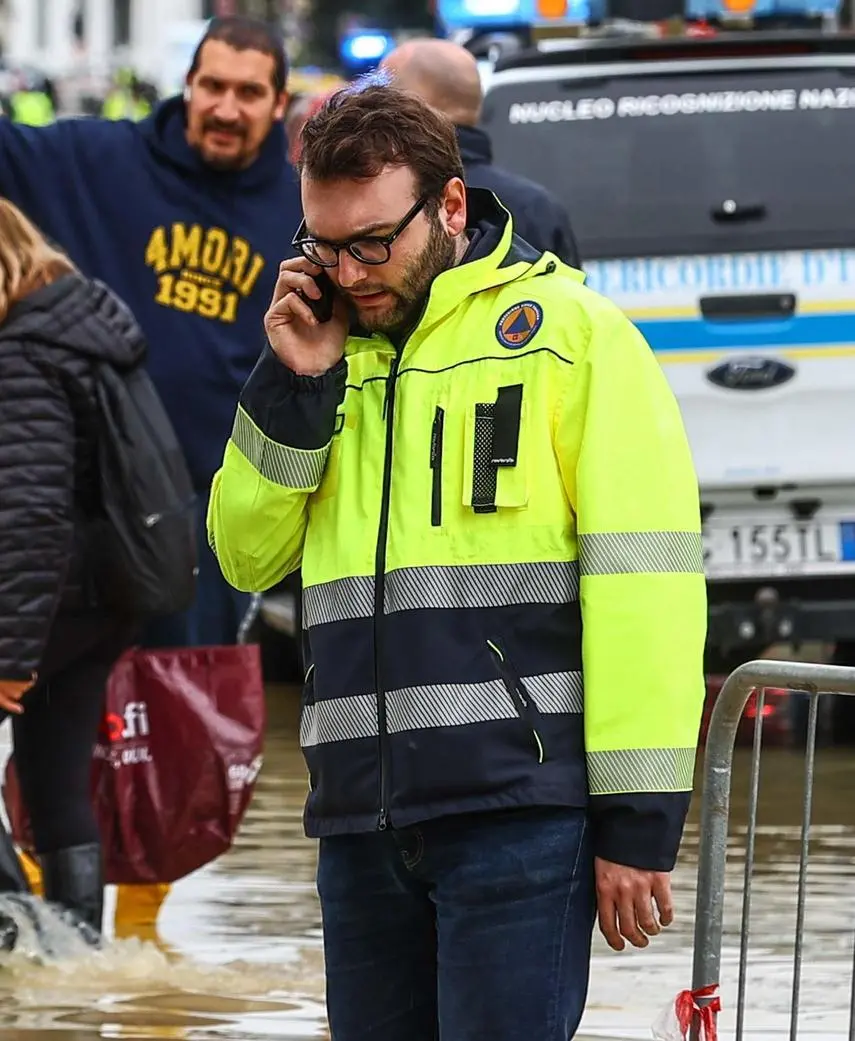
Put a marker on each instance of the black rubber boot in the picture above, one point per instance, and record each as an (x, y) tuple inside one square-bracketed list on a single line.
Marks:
[(12, 877), (8, 933), (74, 879)]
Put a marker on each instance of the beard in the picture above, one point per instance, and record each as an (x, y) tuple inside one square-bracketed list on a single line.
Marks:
[(214, 159), (410, 295), (222, 163)]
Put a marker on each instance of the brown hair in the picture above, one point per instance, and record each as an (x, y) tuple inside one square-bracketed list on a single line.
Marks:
[(27, 261), (361, 130), (247, 34)]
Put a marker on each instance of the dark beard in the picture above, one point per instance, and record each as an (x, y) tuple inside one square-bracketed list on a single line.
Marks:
[(436, 257), (215, 162), (238, 162)]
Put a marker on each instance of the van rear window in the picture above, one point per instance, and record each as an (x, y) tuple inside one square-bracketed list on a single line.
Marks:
[(689, 162)]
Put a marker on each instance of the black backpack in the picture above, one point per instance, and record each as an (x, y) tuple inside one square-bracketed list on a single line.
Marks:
[(148, 551)]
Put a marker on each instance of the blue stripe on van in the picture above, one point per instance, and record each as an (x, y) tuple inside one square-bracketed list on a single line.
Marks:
[(682, 334)]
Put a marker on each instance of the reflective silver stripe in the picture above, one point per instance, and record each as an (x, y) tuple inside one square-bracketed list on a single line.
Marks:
[(641, 770), (557, 692), (447, 705), (439, 588), (296, 468), (338, 601), (345, 719), (642, 552), (482, 585), (437, 705)]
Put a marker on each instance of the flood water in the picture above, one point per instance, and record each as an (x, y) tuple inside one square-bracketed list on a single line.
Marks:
[(238, 953)]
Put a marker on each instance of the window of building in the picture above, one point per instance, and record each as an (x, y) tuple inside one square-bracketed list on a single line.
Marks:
[(121, 23), (41, 24)]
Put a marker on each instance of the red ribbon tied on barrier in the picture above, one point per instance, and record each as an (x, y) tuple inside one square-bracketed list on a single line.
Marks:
[(687, 1008)]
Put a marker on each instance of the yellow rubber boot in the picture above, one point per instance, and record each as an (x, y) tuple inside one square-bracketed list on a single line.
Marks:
[(137, 907), (33, 873), (137, 910)]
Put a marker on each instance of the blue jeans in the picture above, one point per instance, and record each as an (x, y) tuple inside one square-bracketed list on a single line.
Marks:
[(471, 928), (216, 616)]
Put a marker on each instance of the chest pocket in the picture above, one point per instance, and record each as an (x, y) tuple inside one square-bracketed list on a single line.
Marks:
[(495, 471)]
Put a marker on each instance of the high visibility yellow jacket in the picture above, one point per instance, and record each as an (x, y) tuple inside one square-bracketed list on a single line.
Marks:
[(121, 104), (484, 514), (33, 108)]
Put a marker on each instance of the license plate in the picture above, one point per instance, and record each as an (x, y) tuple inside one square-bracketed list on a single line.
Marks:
[(747, 548)]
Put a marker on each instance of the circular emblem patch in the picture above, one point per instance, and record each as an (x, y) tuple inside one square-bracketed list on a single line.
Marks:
[(519, 324)]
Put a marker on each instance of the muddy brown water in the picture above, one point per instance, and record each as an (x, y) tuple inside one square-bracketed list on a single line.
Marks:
[(238, 954)]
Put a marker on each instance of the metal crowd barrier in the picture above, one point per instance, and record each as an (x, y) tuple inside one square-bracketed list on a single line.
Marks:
[(814, 680)]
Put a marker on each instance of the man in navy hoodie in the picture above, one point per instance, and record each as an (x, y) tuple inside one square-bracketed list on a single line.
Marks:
[(186, 216)]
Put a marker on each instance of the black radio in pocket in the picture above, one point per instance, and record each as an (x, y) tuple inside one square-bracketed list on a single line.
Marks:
[(496, 444)]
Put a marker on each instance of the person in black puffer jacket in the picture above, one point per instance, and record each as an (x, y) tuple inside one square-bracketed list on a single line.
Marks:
[(57, 646)]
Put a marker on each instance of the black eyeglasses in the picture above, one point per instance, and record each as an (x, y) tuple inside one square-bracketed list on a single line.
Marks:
[(369, 249)]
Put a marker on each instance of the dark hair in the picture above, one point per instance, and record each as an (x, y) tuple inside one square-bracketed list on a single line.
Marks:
[(247, 34), (360, 130)]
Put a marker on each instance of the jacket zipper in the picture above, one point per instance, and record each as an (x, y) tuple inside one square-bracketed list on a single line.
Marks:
[(436, 441), (380, 590), (526, 709)]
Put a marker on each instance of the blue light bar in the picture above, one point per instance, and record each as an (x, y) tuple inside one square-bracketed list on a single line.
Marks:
[(365, 48), (761, 8), (511, 14), (483, 14)]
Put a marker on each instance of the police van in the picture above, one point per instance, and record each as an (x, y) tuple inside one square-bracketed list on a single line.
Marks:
[(711, 183)]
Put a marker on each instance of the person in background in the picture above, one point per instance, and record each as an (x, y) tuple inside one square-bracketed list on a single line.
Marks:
[(58, 643), (50, 88), (299, 113), (316, 103), (483, 473), (32, 104), (184, 215), (126, 99), (446, 76), (294, 118)]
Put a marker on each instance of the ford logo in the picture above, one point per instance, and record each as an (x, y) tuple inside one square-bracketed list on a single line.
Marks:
[(751, 374)]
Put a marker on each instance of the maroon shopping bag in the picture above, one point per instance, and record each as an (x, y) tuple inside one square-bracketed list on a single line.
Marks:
[(176, 761)]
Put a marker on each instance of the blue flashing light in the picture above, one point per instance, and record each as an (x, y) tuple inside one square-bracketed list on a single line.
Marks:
[(511, 14), (762, 8), (365, 48), (582, 11), (478, 14)]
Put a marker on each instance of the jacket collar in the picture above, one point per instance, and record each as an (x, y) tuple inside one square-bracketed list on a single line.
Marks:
[(495, 258)]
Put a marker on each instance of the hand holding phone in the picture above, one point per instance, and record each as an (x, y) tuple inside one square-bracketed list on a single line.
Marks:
[(321, 308), (307, 322)]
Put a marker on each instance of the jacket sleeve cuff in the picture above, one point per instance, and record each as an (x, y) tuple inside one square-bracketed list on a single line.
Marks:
[(292, 410), (16, 674), (642, 831)]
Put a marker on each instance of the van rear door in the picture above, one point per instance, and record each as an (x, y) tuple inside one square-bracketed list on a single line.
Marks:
[(714, 201)]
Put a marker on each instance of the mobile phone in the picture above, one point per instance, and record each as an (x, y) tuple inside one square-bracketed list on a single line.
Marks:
[(322, 309)]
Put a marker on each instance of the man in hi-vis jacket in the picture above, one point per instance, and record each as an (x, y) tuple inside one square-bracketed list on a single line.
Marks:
[(481, 469)]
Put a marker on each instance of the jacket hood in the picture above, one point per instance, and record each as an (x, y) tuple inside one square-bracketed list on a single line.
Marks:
[(165, 131), (495, 257), (81, 316), (475, 145)]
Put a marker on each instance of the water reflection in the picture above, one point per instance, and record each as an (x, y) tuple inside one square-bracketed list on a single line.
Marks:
[(239, 949)]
